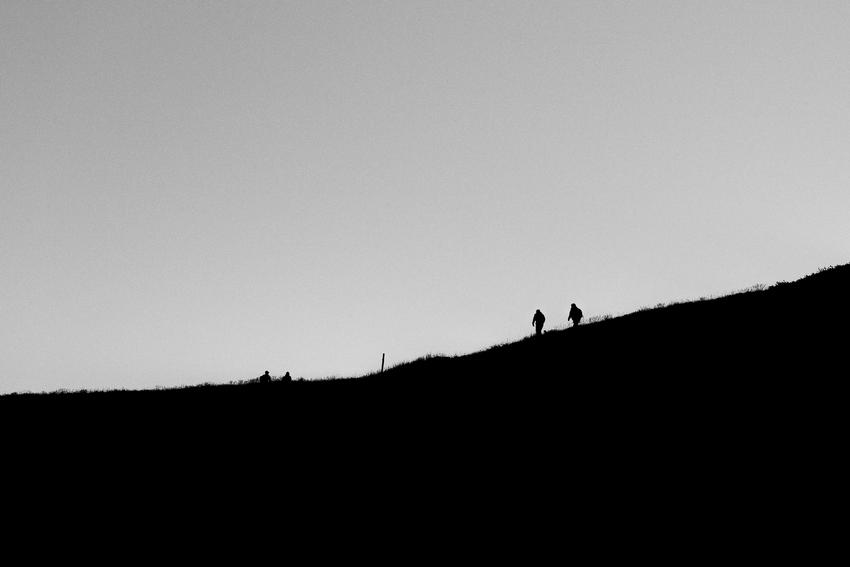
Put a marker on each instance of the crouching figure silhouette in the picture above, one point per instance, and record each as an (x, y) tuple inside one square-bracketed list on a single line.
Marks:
[(538, 321), (575, 314)]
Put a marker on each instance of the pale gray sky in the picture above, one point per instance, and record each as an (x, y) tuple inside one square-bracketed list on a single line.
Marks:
[(195, 191)]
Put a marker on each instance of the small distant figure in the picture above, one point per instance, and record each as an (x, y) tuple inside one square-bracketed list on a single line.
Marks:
[(575, 314), (538, 321), (265, 378), (286, 378)]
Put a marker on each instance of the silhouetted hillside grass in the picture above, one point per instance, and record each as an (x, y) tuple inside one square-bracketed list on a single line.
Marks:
[(717, 411), (753, 349)]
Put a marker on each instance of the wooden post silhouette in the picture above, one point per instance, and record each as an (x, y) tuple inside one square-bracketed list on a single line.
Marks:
[(383, 354)]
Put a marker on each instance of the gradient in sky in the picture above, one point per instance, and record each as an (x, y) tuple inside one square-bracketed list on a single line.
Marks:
[(200, 191)]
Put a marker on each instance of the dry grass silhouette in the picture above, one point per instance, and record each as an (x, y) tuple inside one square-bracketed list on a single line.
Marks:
[(759, 333)]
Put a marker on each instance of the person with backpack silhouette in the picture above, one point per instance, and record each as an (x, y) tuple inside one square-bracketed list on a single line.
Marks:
[(538, 321), (575, 314)]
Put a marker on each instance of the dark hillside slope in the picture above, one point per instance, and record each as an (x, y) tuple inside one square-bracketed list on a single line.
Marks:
[(718, 411), (790, 333), (750, 352), (759, 344)]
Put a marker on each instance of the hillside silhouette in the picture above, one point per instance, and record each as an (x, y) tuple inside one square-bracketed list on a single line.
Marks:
[(719, 411), (740, 350)]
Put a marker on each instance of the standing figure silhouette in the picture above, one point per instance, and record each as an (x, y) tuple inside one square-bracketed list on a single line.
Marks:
[(575, 314), (538, 321), (265, 378)]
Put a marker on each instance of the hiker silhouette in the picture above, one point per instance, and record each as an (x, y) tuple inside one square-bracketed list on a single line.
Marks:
[(265, 378), (575, 314), (287, 377), (538, 321)]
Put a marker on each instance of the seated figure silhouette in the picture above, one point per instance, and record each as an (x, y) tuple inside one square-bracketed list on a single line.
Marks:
[(538, 321), (575, 314), (265, 378), (286, 378)]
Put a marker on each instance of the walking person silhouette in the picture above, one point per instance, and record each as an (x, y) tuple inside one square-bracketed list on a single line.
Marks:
[(538, 321), (575, 314)]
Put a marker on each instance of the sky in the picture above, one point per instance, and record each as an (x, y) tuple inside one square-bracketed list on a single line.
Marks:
[(201, 191)]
